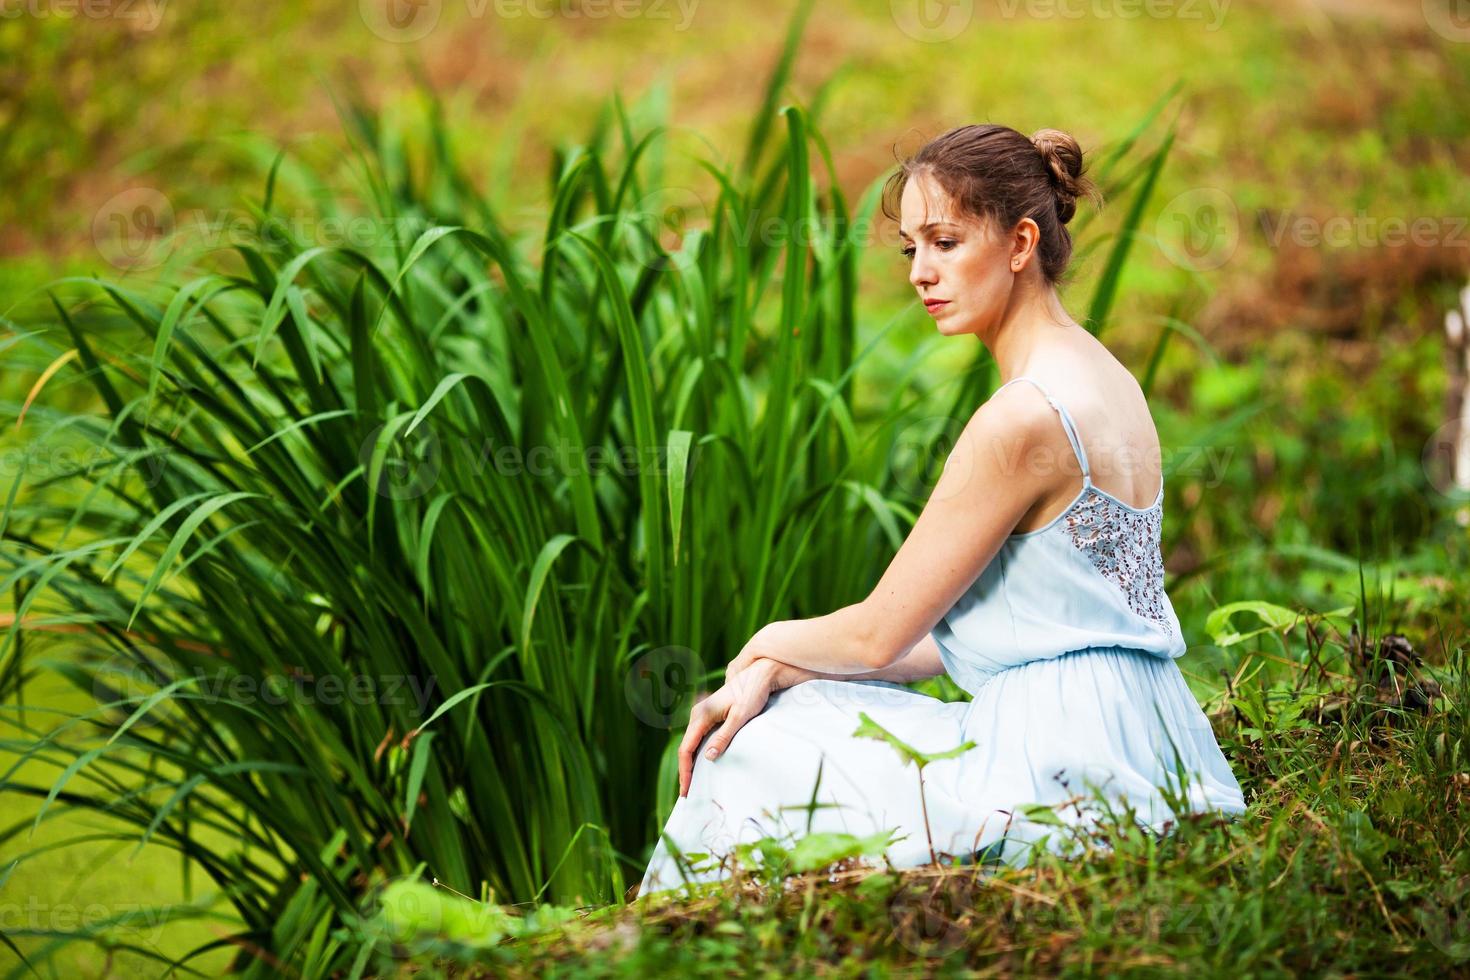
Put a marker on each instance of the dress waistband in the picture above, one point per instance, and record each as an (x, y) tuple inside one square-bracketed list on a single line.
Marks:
[(1067, 656)]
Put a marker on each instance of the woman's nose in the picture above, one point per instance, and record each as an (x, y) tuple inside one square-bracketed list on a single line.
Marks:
[(921, 272)]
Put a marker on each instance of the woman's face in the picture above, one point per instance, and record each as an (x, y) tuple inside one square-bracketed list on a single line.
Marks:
[(955, 258)]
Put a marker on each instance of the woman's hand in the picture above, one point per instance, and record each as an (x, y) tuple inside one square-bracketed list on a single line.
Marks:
[(760, 646), (738, 701)]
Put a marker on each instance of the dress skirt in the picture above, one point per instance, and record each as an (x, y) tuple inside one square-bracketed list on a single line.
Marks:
[(1102, 727)]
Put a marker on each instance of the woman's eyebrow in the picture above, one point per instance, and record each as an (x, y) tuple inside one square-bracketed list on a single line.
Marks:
[(932, 224)]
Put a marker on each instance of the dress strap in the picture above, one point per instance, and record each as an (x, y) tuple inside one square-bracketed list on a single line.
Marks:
[(1067, 424)]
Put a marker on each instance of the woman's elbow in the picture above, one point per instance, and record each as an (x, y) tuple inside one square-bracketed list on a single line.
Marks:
[(880, 654), (878, 647)]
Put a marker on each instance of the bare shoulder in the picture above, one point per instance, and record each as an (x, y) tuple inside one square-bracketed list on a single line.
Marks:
[(1004, 434), (1020, 410)]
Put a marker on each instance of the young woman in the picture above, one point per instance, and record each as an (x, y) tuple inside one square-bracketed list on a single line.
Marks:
[(1033, 577)]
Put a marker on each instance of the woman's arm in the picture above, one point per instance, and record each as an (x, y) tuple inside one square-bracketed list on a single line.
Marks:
[(921, 662), (980, 497)]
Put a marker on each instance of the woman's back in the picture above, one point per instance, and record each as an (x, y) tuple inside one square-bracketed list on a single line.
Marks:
[(1113, 421), (1090, 576)]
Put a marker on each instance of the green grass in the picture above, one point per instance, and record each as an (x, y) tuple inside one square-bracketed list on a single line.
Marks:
[(1350, 861)]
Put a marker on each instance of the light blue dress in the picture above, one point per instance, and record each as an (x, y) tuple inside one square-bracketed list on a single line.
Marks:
[(1066, 644)]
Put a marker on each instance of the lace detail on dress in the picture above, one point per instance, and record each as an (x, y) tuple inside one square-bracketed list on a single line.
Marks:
[(1123, 545)]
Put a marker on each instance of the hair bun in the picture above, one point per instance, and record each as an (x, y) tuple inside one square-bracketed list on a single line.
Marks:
[(1063, 158)]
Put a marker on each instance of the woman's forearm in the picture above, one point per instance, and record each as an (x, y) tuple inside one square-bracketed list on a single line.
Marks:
[(922, 661), (839, 644)]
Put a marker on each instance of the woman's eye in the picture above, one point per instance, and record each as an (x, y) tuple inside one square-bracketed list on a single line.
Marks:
[(908, 252), (946, 244)]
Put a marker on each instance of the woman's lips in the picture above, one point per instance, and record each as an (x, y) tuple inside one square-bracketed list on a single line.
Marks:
[(933, 304)]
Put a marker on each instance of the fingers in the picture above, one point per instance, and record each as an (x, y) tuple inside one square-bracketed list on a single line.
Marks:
[(720, 740), (734, 705), (701, 720)]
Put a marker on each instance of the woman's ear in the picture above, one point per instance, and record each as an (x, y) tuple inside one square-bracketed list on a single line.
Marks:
[(1023, 243)]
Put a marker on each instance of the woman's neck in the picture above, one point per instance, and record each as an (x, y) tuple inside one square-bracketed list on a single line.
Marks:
[(1031, 326)]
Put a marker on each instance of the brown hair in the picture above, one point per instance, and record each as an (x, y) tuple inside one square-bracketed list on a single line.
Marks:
[(996, 173)]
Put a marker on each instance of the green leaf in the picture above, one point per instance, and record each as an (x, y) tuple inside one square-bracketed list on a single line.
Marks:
[(679, 441), (416, 770), (456, 699), (186, 530), (822, 849), (539, 571), (1040, 813), (1224, 633), (871, 729)]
